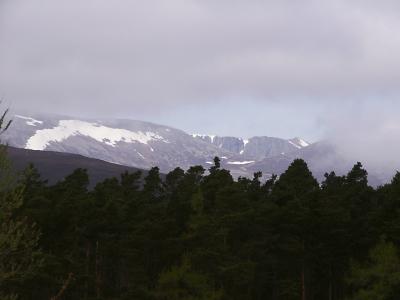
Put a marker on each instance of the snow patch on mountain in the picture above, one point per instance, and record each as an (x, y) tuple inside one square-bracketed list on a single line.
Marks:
[(240, 162), (29, 121), (303, 143), (202, 136), (295, 145), (245, 142), (140, 154), (299, 143), (68, 128)]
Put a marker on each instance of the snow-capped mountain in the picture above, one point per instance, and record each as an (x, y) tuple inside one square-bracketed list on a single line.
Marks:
[(142, 144), (255, 148), (125, 142)]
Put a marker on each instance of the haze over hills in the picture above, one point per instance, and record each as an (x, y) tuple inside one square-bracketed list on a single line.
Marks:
[(144, 145)]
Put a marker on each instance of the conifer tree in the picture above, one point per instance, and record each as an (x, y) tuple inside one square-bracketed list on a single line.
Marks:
[(20, 256), (295, 192), (379, 277), (181, 282)]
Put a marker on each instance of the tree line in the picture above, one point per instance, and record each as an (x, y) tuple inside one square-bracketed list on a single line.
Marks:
[(199, 234)]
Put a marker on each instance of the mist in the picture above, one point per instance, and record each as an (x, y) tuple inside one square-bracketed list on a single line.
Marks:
[(368, 133)]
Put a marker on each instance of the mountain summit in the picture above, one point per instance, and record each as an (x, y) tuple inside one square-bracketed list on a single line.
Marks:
[(143, 144)]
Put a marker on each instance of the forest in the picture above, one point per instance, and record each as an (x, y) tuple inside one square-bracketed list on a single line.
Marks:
[(199, 234)]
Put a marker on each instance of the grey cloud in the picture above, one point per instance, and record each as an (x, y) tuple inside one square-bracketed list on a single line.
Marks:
[(367, 133), (158, 53)]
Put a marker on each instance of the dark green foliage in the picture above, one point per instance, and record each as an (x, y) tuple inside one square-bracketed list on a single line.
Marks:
[(379, 277), (20, 255), (193, 235)]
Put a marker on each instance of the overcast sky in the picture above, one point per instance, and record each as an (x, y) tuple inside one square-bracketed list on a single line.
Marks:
[(251, 67)]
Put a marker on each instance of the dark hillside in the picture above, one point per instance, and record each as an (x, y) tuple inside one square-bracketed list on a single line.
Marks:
[(54, 166)]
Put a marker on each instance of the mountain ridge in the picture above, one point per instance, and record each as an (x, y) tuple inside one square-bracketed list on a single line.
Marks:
[(143, 145), (138, 143)]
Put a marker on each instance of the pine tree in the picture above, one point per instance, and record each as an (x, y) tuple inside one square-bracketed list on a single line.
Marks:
[(153, 188), (20, 257), (379, 277), (182, 282), (296, 192), (360, 201)]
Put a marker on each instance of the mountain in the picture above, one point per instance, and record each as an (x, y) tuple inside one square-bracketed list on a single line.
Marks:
[(54, 166), (125, 142), (255, 148), (141, 144)]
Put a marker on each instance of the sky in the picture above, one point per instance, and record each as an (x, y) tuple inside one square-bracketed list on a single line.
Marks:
[(318, 69)]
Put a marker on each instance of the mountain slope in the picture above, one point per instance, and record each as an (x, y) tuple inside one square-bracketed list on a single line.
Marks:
[(256, 148), (144, 145), (139, 144), (54, 166), (126, 142)]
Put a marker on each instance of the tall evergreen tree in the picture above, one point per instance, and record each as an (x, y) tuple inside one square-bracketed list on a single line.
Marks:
[(379, 277), (20, 257), (296, 192)]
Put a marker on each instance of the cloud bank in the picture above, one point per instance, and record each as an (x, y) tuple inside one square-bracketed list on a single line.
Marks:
[(159, 53)]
